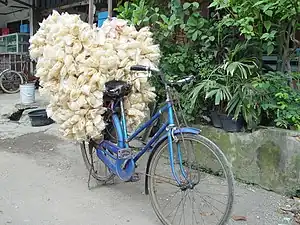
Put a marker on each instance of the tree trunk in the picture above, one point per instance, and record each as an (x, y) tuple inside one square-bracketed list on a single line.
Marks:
[(281, 41), (286, 48)]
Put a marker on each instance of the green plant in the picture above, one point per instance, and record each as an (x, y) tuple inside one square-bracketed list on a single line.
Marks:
[(168, 25), (279, 101), (230, 86), (271, 23), (205, 53), (180, 61), (138, 13)]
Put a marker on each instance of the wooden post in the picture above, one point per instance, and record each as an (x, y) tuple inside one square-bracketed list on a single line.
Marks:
[(31, 19), (110, 9), (91, 12)]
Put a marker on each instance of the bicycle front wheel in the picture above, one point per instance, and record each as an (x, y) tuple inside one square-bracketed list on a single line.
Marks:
[(205, 194), (10, 81)]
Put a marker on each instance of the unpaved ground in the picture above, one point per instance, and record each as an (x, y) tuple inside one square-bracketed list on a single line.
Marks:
[(43, 182)]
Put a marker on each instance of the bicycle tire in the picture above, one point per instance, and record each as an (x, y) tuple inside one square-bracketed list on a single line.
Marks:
[(222, 159), (16, 90), (88, 164)]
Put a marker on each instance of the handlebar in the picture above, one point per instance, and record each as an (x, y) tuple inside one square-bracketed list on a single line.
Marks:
[(184, 80), (141, 68)]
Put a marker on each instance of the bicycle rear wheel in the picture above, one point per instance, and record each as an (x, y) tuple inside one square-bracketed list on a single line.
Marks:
[(211, 182), (94, 165), (10, 81)]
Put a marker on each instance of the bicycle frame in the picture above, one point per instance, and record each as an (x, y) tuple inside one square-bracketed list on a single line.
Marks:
[(125, 163), (124, 139), (168, 127)]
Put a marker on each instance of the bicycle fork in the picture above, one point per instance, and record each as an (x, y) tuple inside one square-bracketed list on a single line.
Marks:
[(172, 139)]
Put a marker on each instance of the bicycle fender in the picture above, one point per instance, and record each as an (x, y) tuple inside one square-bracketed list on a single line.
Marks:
[(184, 130)]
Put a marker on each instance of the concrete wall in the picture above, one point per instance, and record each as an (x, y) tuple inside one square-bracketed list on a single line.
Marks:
[(267, 157)]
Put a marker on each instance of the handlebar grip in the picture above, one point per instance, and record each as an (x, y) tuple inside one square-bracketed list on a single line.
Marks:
[(140, 68), (186, 80)]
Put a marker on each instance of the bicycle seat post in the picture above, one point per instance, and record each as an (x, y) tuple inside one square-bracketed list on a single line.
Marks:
[(123, 119)]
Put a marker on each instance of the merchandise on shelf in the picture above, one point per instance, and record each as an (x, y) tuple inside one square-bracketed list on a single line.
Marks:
[(14, 43)]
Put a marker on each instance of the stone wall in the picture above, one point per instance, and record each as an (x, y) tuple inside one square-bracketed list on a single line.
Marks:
[(268, 157)]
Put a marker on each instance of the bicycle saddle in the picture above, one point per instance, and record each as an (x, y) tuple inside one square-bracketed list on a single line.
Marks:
[(117, 89)]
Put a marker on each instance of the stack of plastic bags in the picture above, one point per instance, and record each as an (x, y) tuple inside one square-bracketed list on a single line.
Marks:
[(75, 60)]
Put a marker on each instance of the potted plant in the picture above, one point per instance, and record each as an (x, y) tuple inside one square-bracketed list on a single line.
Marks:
[(230, 86)]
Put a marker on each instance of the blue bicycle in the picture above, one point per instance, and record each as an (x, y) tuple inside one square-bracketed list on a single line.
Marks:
[(180, 158)]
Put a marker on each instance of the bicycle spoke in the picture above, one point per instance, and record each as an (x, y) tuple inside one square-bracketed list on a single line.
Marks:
[(209, 197), (183, 209), (176, 209), (215, 200), (171, 198), (211, 205), (201, 213), (168, 180), (192, 209)]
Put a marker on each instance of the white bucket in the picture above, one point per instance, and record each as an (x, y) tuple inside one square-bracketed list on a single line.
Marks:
[(27, 93)]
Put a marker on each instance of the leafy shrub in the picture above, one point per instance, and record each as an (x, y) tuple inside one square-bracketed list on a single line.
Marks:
[(279, 100)]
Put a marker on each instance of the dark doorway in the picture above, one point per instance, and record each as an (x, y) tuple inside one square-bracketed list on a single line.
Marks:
[(14, 27)]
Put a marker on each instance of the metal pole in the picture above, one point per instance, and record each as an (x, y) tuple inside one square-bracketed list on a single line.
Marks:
[(110, 9), (91, 12)]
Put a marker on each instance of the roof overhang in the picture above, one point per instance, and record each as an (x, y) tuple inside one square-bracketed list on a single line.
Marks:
[(12, 6)]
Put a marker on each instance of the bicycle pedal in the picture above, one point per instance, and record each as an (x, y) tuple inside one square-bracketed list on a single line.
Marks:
[(125, 153)]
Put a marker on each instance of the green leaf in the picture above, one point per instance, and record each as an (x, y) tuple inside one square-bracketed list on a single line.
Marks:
[(186, 5), (211, 38), (273, 32), (195, 36), (249, 27), (269, 13), (154, 18), (196, 5), (270, 49), (284, 17), (265, 36), (268, 6), (211, 93), (258, 3), (192, 21), (164, 18), (232, 68), (213, 4), (267, 25), (181, 67), (218, 97)]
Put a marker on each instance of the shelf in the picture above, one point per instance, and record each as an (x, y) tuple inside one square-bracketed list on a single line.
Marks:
[(14, 43)]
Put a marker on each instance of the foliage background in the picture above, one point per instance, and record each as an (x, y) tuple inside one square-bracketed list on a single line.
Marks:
[(223, 48)]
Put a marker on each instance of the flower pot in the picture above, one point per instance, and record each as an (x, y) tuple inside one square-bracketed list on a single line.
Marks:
[(215, 118), (231, 125)]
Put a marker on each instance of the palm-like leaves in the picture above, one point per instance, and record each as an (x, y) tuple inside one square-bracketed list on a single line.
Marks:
[(211, 88), (231, 83)]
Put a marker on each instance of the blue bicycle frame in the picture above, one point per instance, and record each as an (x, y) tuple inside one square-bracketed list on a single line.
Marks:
[(125, 168)]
